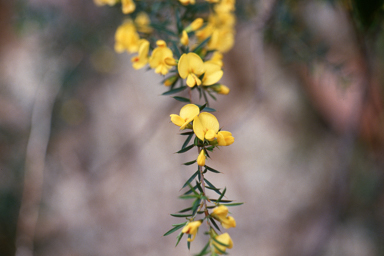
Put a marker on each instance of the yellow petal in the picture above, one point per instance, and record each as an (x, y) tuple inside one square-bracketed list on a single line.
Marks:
[(177, 120), (210, 135), (213, 73), (224, 239), (223, 90), (196, 24), (196, 64), (229, 222), (220, 211), (191, 81), (198, 128), (191, 228), (189, 111), (209, 122), (183, 66), (128, 6), (225, 138)]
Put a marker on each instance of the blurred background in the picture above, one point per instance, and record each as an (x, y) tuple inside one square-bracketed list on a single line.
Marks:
[(87, 163)]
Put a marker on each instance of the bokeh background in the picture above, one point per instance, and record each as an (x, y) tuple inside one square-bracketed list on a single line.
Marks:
[(87, 163)]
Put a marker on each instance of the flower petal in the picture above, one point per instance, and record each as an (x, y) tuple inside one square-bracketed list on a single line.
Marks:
[(213, 73), (198, 128), (209, 122), (177, 120), (183, 66), (189, 111)]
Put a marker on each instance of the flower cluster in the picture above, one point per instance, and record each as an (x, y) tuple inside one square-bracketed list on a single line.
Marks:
[(186, 45)]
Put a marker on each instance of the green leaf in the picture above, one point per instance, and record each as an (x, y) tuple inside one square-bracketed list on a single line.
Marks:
[(211, 169), (176, 90), (201, 45), (178, 21), (185, 210), (218, 249), (190, 179), (178, 224), (179, 238), (233, 204), (186, 142), (176, 50), (214, 189), (192, 189), (211, 185), (222, 194), (187, 196), (217, 241), (174, 229), (186, 133), (210, 94), (182, 99), (189, 163), (214, 223), (196, 141), (204, 251), (195, 206), (189, 243), (206, 153), (221, 201), (205, 108), (185, 149), (201, 107), (181, 215), (199, 188)]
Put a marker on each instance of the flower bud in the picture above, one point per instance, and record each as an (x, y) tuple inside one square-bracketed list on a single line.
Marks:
[(170, 61), (170, 80), (221, 89), (196, 24), (184, 40), (201, 158)]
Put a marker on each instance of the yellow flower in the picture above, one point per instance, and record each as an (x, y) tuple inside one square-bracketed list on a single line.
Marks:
[(184, 40), (170, 80), (128, 6), (217, 58), (190, 66), (204, 33), (225, 138), (157, 59), (221, 39), (223, 89), (142, 59), (187, 115), (224, 239), (186, 2), (104, 2), (201, 158), (191, 229), (220, 213), (206, 126), (126, 38), (225, 6), (143, 22), (213, 73)]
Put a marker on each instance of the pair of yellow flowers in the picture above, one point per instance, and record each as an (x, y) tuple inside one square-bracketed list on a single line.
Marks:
[(190, 65), (205, 126), (220, 213)]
